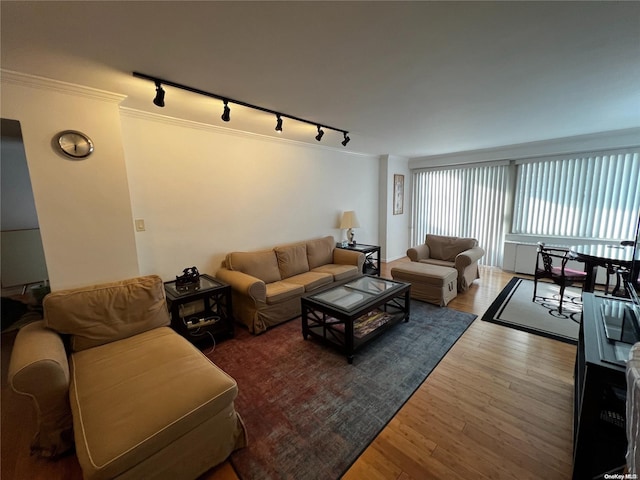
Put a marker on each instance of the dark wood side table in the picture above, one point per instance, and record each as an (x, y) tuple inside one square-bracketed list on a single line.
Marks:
[(599, 417), (202, 311), (371, 257)]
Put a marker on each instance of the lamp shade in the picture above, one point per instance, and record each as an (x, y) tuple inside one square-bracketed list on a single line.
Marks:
[(349, 220)]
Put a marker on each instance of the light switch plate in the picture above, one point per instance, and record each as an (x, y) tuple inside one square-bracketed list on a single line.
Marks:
[(140, 225)]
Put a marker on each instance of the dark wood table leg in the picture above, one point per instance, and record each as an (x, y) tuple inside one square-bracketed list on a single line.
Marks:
[(591, 268), (407, 304), (305, 323), (348, 330)]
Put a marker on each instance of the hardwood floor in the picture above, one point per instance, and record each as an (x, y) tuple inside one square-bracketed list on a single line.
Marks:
[(497, 406)]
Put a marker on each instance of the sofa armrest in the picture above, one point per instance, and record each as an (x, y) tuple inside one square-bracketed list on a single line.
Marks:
[(418, 252), (39, 369), (244, 284), (466, 258), (342, 256)]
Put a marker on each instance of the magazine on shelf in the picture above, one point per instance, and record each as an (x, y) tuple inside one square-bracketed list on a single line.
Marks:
[(367, 323)]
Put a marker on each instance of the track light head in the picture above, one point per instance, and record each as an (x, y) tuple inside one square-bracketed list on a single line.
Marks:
[(159, 100), (226, 115)]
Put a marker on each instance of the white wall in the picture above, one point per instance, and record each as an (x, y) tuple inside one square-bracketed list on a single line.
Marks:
[(204, 191), (83, 207), (394, 229)]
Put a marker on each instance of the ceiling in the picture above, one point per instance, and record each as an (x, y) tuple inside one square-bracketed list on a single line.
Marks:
[(404, 78)]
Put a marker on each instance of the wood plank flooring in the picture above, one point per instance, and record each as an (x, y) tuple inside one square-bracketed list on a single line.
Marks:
[(497, 406)]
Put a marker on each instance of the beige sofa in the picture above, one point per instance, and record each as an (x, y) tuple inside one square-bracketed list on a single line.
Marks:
[(455, 252), (267, 285), (140, 400)]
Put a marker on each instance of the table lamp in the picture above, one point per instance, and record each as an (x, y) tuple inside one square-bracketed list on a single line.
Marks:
[(350, 221)]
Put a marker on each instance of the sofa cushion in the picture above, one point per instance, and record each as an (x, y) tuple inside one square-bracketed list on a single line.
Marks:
[(442, 263), (311, 280), (292, 259), (104, 313), (133, 397), (446, 248), (320, 251), (339, 272), (281, 291), (262, 264)]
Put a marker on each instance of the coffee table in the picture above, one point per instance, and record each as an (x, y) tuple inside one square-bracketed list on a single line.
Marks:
[(350, 315)]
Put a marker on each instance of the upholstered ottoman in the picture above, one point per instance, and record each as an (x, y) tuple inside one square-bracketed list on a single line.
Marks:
[(429, 283), (151, 406)]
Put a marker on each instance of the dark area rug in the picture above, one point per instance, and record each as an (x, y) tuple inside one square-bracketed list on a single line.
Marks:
[(308, 413), (515, 308)]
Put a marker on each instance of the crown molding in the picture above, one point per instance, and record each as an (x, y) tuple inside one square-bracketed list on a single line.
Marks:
[(588, 143), (42, 83), (180, 122)]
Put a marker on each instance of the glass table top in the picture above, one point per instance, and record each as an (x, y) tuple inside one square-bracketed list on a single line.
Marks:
[(604, 252), (355, 293)]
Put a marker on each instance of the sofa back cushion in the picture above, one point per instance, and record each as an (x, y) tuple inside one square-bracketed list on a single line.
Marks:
[(320, 251), (262, 264), (104, 313), (292, 259), (446, 248)]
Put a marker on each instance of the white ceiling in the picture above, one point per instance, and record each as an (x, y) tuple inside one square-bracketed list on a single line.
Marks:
[(404, 78)]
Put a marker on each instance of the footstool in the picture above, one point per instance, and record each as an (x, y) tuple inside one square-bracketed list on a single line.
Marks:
[(429, 283)]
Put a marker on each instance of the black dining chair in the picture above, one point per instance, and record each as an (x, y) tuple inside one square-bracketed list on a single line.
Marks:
[(551, 263), (618, 270)]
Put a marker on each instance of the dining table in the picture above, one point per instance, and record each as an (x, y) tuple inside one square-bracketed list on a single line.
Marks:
[(601, 255)]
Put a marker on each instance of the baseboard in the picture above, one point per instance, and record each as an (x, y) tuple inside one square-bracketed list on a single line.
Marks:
[(393, 259)]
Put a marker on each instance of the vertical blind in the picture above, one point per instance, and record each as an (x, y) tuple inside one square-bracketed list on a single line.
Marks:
[(463, 202), (588, 196)]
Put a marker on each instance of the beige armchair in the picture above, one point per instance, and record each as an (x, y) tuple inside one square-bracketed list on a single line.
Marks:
[(104, 372), (455, 252)]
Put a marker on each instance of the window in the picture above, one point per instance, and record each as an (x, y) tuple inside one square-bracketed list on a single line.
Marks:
[(463, 202), (578, 196), (585, 196)]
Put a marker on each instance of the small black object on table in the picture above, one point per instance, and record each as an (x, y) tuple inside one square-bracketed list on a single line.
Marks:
[(207, 320)]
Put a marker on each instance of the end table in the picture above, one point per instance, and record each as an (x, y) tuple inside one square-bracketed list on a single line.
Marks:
[(371, 257), (201, 311)]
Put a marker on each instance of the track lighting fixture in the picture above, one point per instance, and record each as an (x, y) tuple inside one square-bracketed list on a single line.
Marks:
[(159, 100), (226, 114), (227, 111)]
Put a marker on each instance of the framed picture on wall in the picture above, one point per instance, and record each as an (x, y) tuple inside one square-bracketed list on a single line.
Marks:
[(398, 194)]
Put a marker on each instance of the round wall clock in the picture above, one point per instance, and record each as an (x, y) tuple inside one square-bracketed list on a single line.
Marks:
[(74, 144)]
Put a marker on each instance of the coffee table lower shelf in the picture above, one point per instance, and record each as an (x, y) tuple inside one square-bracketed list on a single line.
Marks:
[(349, 332)]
